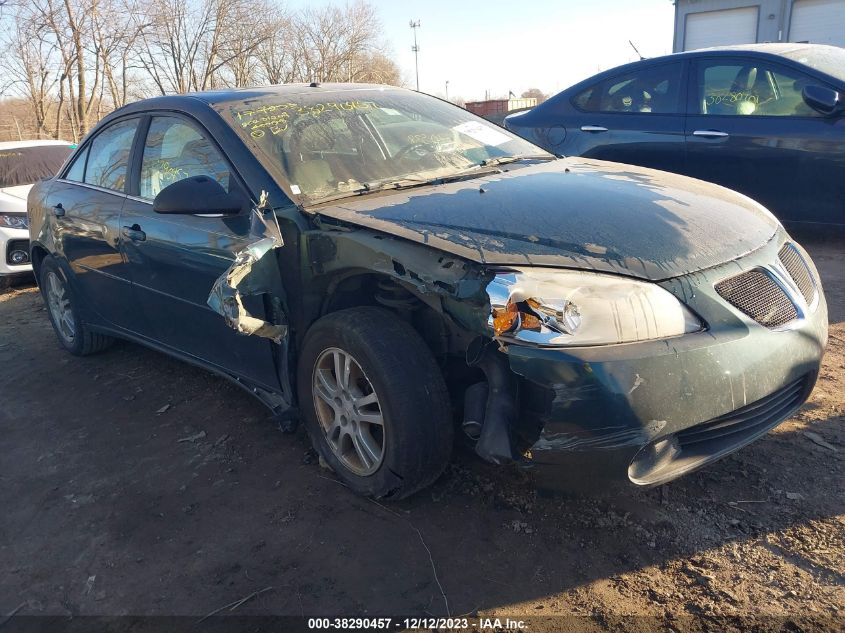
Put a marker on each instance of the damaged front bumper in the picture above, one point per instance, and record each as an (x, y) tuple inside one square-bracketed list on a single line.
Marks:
[(645, 413)]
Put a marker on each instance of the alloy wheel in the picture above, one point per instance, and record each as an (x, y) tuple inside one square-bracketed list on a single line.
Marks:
[(349, 411), (60, 308)]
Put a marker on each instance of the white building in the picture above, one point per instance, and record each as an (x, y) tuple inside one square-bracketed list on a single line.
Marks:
[(704, 23)]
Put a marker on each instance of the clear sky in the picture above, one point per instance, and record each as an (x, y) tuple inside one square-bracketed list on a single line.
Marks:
[(502, 45)]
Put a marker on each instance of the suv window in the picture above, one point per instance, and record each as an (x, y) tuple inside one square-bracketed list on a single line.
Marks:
[(650, 90), (741, 88), (175, 150), (108, 158)]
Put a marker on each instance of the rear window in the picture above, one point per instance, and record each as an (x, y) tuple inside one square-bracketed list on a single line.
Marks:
[(26, 165)]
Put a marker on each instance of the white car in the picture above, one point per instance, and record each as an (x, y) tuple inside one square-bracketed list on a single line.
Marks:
[(22, 163)]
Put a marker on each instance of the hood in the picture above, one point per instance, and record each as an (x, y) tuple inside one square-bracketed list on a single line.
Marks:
[(13, 199), (573, 213)]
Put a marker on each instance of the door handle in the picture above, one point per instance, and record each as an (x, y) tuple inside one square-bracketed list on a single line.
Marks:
[(593, 128), (710, 134), (134, 233), (59, 210)]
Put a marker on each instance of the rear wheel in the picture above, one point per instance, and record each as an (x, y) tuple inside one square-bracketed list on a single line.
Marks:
[(72, 333), (374, 402)]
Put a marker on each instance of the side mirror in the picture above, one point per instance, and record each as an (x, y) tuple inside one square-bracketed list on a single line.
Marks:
[(197, 194), (821, 99)]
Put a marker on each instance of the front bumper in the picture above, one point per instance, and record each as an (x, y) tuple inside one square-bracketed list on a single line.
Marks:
[(645, 413), (12, 240)]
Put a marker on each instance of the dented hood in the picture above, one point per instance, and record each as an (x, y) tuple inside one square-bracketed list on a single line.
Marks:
[(573, 213)]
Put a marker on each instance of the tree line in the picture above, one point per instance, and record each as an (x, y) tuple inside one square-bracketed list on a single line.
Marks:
[(66, 63)]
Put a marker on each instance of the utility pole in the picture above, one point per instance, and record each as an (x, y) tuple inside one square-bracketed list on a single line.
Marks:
[(415, 24), (447, 90)]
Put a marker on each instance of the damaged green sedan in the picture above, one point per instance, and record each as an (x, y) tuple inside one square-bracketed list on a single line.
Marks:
[(399, 274)]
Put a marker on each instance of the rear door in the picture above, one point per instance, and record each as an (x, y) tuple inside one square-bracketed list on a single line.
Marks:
[(175, 259), (749, 129), (636, 117), (86, 202)]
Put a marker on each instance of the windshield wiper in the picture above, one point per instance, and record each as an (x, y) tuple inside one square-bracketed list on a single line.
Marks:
[(503, 160), (407, 183)]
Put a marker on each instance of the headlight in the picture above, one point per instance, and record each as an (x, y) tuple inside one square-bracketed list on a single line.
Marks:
[(568, 308), (13, 221)]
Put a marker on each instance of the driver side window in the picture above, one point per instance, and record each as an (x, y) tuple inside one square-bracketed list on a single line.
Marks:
[(748, 87), (650, 90), (175, 150)]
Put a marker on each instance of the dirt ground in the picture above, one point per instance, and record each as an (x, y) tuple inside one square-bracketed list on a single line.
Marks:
[(131, 483)]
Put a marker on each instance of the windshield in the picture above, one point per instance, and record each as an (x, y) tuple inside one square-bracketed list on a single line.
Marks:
[(26, 165), (826, 59), (329, 145)]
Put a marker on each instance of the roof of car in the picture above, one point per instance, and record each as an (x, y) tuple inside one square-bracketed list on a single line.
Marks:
[(215, 98), (31, 143), (772, 48), (284, 90)]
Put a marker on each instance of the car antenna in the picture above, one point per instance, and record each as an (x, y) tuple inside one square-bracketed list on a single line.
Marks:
[(635, 50)]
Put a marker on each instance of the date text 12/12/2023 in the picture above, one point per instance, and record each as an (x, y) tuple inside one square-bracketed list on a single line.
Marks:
[(418, 624)]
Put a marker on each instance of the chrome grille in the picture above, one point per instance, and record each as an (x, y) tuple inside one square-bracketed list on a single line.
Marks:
[(759, 296), (799, 271)]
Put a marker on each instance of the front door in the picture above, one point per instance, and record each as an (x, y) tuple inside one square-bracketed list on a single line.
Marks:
[(175, 259), (750, 130)]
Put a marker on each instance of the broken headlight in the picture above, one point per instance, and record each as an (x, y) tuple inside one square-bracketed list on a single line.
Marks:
[(570, 308)]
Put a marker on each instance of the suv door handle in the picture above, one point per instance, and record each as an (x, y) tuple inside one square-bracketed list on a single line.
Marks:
[(593, 128), (710, 134), (134, 233), (59, 210)]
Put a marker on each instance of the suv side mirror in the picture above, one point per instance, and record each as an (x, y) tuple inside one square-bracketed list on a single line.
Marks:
[(824, 100), (198, 194)]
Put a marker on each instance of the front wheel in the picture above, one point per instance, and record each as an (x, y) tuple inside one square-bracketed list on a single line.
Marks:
[(374, 402)]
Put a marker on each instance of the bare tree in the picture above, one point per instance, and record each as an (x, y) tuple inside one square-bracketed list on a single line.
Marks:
[(333, 40), (376, 67), (248, 26), (29, 65), (536, 93), (114, 36), (202, 45), (73, 61)]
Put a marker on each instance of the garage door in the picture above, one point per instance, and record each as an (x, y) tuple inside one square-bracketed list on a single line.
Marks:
[(721, 28), (818, 21)]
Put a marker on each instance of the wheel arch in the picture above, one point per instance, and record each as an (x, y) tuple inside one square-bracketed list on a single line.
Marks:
[(358, 287), (37, 253)]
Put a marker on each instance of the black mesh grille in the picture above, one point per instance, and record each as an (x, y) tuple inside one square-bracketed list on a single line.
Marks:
[(798, 269), (758, 295), (753, 418)]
